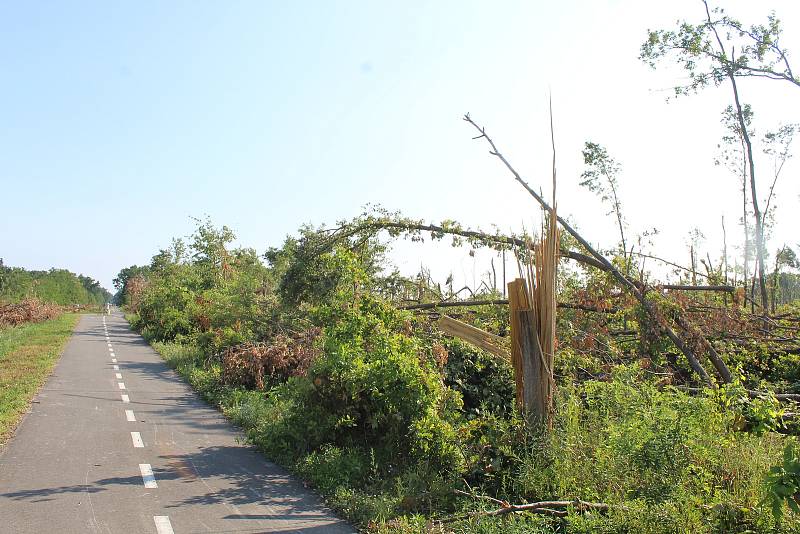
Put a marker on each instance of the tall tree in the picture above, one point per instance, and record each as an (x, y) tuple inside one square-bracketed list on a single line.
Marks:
[(720, 49)]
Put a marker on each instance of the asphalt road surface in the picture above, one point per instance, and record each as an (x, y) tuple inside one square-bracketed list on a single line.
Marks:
[(116, 442)]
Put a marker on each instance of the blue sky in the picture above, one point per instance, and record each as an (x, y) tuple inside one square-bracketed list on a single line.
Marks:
[(120, 121)]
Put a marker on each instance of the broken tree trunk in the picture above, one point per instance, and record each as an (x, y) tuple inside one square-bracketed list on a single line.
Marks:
[(649, 308), (475, 336), (532, 376), (517, 299)]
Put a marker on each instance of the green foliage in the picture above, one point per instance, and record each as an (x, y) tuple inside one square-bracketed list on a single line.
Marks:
[(56, 286), (331, 467), (122, 297), (370, 391), (783, 482), (695, 48), (758, 415), (484, 381), (216, 298), (312, 269)]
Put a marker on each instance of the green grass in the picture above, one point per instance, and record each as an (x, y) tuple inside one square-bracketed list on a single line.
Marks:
[(28, 354)]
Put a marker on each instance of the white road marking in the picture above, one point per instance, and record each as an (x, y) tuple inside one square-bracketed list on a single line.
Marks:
[(137, 440), (114, 360), (126, 398), (163, 526), (147, 476), (121, 385), (109, 345), (119, 375), (129, 415), (116, 367)]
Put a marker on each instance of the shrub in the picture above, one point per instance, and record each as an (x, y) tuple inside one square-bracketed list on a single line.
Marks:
[(370, 391), (484, 381), (783, 482), (258, 365)]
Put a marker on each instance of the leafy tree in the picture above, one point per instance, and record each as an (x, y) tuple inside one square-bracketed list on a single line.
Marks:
[(600, 177), (719, 49), (312, 267), (745, 52), (210, 253), (123, 279)]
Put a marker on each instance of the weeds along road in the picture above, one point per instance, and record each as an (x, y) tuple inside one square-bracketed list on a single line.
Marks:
[(116, 442)]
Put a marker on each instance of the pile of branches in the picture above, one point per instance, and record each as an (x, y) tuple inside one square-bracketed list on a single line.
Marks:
[(28, 311), (256, 365), (737, 326)]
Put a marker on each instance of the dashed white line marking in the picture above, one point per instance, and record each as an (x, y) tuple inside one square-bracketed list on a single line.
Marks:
[(129, 415), (137, 440), (163, 525), (147, 476), (121, 385), (125, 398), (114, 360), (116, 367), (119, 376), (109, 345)]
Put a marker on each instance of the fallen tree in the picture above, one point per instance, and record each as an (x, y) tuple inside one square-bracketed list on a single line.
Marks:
[(629, 285)]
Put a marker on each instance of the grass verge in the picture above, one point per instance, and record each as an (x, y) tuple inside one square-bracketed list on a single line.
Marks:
[(28, 354)]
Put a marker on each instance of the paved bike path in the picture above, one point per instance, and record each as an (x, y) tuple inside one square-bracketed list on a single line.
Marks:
[(134, 449)]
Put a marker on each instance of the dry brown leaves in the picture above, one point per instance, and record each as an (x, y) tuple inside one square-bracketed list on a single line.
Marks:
[(255, 365), (28, 311)]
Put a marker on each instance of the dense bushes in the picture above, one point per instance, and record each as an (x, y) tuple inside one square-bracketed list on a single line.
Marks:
[(216, 298), (368, 392), (388, 418), (484, 381)]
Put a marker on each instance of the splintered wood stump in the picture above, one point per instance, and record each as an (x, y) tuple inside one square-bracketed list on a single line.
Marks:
[(517, 298), (534, 385)]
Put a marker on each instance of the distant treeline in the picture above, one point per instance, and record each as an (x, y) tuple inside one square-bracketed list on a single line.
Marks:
[(58, 286)]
